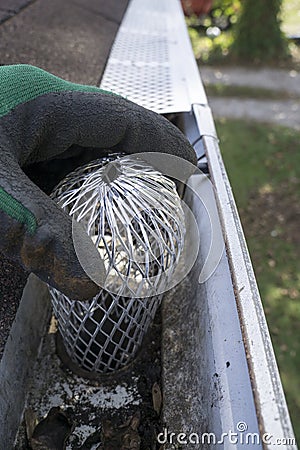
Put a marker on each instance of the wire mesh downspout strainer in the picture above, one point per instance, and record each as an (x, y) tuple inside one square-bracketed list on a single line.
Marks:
[(134, 216)]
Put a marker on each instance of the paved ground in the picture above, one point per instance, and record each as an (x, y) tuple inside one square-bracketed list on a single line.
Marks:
[(283, 80), (283, 112)]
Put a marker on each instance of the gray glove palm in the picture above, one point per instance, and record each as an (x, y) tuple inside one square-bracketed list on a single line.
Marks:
[(41, 117)]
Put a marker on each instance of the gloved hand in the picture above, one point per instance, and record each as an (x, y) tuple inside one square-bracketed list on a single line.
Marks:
[(41, 117)]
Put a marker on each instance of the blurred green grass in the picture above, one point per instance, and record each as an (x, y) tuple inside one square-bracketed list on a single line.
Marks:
[(263, 165)]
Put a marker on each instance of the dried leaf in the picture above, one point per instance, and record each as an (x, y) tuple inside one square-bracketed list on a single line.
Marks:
[(156, 398), (31, 422), (52, 432), (122, 437)]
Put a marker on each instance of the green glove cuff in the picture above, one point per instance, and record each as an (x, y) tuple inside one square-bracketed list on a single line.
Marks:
[(16, 210), (21, 83)]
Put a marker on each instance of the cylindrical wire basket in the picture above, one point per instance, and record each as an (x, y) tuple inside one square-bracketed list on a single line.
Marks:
[(134, 216)]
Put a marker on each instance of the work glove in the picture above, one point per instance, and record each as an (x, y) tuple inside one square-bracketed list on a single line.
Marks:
[(41, 118)]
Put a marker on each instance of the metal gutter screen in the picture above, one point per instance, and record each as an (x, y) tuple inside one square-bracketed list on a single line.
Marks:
[(148, 61)]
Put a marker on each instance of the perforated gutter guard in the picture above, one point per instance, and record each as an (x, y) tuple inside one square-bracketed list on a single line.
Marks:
[(152, 64)]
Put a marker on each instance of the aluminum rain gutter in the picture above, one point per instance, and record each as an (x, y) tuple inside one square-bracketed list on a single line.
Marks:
[(271, 407), (152, 64)]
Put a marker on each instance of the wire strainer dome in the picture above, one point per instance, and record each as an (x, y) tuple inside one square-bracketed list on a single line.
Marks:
[(134, 216)]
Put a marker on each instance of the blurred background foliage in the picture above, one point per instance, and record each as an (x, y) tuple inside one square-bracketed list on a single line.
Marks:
[(259, 32)]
